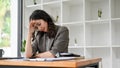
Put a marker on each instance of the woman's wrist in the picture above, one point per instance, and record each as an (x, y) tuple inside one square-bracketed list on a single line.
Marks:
[(30, 34)]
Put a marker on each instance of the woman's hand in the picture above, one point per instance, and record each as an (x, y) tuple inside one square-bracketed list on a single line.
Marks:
[(34, 25), (44, 55), (31, 27)]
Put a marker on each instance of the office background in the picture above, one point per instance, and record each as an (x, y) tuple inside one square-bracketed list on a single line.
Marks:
[(94, 26)]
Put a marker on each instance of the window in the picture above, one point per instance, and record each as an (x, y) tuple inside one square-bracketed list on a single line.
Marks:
[(9, 27), (5, 22)]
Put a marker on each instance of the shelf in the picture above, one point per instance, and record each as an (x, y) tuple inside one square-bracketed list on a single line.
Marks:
[(115, 8), (97, 34), (72, 23), (51, 2), (92, 7), (72, 10), (116, 57), (115, 32), (32, 6), (30, 3), (115, 19), (104, 53), (76, 46), (98, 21), (115, 46), (103, 46), (71, 2)]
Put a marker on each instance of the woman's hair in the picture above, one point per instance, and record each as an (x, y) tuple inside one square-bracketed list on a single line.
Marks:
[(40, 14)]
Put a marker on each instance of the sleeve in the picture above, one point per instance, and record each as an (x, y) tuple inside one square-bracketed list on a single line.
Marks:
[(61, 42), (34, 46)]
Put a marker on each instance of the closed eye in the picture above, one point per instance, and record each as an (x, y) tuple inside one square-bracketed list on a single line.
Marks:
[(38, 24)]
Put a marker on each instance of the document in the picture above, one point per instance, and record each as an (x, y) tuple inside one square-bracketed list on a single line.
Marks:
[(53, 59)]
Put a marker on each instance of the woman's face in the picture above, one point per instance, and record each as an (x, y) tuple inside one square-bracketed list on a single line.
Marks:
[(41, 25)]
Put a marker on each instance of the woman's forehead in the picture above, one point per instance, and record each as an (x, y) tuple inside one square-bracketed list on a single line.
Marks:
[(38, 20)]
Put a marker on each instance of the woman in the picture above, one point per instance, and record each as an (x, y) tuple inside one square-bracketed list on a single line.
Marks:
[(44, 38)]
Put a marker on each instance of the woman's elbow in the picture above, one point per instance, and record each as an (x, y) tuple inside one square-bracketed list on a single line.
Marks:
[(28, 55)]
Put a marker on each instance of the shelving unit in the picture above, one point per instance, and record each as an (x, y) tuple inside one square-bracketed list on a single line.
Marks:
[(90, 35)]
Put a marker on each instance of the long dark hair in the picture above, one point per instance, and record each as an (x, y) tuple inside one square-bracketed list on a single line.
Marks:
[(41, 14)]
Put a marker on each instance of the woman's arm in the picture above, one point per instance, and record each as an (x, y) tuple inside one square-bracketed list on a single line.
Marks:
[(47, 54), (28, 47)]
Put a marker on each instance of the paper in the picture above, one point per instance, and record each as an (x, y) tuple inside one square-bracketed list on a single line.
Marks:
[(51, 59)]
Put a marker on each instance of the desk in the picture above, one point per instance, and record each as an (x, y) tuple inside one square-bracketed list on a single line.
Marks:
[(94, 62)]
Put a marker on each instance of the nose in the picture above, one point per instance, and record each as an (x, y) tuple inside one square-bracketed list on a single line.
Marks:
[(36, 27)]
